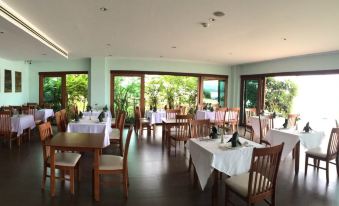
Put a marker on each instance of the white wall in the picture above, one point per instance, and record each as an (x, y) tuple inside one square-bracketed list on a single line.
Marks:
[(14, 98), (315, 62)]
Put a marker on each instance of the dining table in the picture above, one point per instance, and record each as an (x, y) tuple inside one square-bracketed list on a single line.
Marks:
[(254, 122), (88, 124), (21, 122), (210, 156), (205, 114), (292, 139), (96, 114), (44, 114), (155, 117), (79, 142)]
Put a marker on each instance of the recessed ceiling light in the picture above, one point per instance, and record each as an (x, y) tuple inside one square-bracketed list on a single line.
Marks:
[(103, 9), (161, 56), (110, 55), (1, 32), (212, 19), (108, 44), (43, 54), (284, 39), (204, 24), (174, 47), (219, 13)]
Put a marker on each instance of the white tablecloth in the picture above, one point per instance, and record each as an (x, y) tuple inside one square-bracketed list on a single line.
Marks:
[(207, 156), (96, 114), (21, 122), (204, 114), (291, 137), (155, 117), (44, 114), (86, 125)]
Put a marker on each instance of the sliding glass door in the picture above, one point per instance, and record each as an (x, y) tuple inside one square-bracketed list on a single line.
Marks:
[(214, 91)]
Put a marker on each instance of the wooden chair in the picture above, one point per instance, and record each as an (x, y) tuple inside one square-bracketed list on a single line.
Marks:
[(249, 112), (260, 182), (141, 123), (292, 119), (115, 137), (219, 120), (65, 161), (117, 116), (6, 128), (59, 122), (182, 109), (64, 117), (180, 132), (200, 107), (32, 104), (112, 164), (198, 128), (265, 125), (325, 154), (232, 118), (171, 113)]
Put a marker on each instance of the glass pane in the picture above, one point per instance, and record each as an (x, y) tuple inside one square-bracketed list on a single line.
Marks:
[(212, 92), (77, 90), (52, 91), (127, 95), (170, 90), (251, 93)]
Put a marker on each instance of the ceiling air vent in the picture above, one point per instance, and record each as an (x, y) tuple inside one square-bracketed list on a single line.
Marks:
[(16, 19)]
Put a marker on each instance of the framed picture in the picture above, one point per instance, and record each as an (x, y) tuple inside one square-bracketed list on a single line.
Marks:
[(18, 82), (8, 80)]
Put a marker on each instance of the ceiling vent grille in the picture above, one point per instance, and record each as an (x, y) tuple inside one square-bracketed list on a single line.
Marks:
[(22, 24)]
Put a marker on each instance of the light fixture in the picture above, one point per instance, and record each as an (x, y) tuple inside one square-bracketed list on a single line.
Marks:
[(1, 32), (173, 47), (204, 24), (110, 55), (284, 39), (160, 56), (103, 9), (219, 13), (43, 54), (108, 44), (212, 19), (15, 18)]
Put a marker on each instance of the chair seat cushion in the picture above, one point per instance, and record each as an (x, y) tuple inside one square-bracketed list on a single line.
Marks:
[(111, 162), (239, 183), (115, 134), (67, 159), (318, 152)]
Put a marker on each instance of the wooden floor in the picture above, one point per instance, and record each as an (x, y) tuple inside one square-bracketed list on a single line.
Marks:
[(155, 179)]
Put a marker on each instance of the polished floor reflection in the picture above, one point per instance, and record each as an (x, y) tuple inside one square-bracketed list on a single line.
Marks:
[(155, 179)]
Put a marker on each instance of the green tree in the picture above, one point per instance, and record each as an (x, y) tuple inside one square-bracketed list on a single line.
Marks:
[(280, 95), (77, 90), (52, 92)]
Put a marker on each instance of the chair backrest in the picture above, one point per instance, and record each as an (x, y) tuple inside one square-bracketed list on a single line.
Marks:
[(265, 124), (5, 123), (121, 123), (32, 104), (220, 114), (172, 113), (249, 112), (292, 119), (263, 173), (25, 109), (336, 123), (233, 114), (59, 122), (200, 106), (333, 144), (270, 121), (46, 132), (182, 128), (128, 139), (200, 128), (64, 117), (182, 109)]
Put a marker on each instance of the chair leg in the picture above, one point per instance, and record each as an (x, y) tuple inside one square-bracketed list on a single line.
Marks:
[(293, 153), (190, 164), (44, 178), (227, 195), (337, 164), (125, 182), (306, 164), (71, 176), (327, 171), (97, 183)]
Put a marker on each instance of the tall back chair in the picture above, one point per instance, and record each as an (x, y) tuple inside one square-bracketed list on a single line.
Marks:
[(249, 112), (181, 131), (6, 127), (260, 182), (200, 106), (292, 119), (232, 118), (116, 135), (64, 117), (265, 124), (112, 164), (65, 161), (60, 125), (325, 154), (200, 128), (182, 109), (25, 110), (171, 113), (141, 123), (219, 119)]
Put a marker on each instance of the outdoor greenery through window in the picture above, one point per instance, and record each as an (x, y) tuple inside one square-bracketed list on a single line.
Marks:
[(52, 91)]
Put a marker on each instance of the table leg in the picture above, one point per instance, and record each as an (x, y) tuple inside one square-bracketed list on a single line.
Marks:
[(297, 157), (215, 188), (52, 166), (96, 178)]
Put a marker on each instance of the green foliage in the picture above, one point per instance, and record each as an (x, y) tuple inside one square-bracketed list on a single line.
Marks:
[(251, 93), (126, 95), (280, 95), (77, 90), (52, 91)]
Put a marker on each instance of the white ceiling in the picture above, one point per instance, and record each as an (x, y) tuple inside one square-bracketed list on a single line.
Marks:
[(250, 31)]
